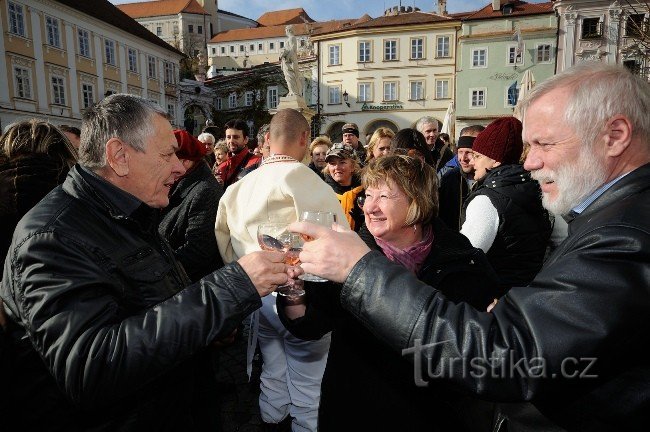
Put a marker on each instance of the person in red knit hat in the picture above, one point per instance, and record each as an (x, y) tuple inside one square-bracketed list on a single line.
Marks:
[(503, 215), (188, 221)]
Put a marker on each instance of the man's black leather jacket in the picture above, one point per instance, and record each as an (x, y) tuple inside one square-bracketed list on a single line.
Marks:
[(106, 334), (575, 342)]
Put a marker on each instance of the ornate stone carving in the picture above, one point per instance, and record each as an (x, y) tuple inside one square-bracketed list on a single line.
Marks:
[(570, 18)]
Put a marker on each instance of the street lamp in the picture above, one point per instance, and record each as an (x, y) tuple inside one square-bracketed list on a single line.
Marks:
[(346, 97)]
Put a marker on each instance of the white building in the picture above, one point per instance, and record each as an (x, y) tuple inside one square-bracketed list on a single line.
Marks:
[(614, 32)]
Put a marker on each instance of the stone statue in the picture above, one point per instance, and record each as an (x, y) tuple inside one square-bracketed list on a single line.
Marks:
[(289, 62)]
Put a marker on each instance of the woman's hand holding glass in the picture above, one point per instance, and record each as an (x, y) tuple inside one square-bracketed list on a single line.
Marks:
[(276, 237)]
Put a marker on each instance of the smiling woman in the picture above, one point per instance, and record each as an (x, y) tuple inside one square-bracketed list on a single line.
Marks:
[(402, 224), (342, 174)]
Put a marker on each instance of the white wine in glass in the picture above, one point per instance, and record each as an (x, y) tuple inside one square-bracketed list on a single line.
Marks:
[(276, 237), (324, 218)]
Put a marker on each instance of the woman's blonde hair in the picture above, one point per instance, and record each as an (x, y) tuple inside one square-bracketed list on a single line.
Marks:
[(416, 178), (382, 132), (319, 141), (36, 136)]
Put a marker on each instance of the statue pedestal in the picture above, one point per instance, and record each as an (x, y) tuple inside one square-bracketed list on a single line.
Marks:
[(297, 103)]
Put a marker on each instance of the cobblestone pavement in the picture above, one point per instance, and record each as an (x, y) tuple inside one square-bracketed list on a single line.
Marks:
[(239, 397)]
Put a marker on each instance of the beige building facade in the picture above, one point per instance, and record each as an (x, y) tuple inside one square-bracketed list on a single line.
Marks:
[(61, 57), (388, 71)]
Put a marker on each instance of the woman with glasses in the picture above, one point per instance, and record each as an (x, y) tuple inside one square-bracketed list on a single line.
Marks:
[(342, 174), (363, 376)]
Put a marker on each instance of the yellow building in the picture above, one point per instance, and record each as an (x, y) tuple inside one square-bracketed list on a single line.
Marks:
[(388, 71), (62, 56)]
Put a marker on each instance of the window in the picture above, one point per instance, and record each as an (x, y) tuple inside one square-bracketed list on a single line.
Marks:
[(514, 57), (219, 104), (260, 47), (477, 98), (58, 90), (281, 44), (251, 47), (479, 58), (417, 49), (169, 73), (16, 19), (158, 31), (199, 29), (109, 49), (272, 97), (442, 89), (417, 90), (365, 50), (390, 50), (302, 43), (190, 28), (53, 35), (23, 83), (334, 55), (241, 48), (151, 67), (232, 100), (133, 60), (334, 95), (635, 25), (512, 93), (87, 95), (365, 92), (442, 46), (214, 51), (223, 50), (175, 29), (271, 45), (232, 49), (543, 53), (249, 98), (84, 42), (591, 28), (390, 91), (633, 66)]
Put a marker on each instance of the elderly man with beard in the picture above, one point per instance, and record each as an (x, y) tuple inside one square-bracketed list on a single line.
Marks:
[(575, 341)]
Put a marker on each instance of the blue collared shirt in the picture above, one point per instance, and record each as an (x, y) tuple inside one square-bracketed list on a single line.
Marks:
[(594, 196)]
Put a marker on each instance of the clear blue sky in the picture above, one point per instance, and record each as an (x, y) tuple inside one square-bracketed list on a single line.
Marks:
[(323, 10)]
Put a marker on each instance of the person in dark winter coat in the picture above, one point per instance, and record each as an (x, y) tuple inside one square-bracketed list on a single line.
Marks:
[(362, 374), (187, 223), (106, 331), (317, 153), (503, 215), (35, 157)]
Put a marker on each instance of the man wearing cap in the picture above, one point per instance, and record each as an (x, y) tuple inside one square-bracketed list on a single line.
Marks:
[(351, 137), (187, 223), (342, 174), (456, 183), (503, 215)]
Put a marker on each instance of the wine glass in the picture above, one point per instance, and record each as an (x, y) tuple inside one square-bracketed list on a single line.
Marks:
[(323, 218), (276, 237)]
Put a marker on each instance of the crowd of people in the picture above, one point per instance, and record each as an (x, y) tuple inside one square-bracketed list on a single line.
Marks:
[(457, 297)]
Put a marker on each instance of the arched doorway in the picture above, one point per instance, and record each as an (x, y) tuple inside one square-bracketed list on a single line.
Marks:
[(376, 124), (334, 131), (194, 119)]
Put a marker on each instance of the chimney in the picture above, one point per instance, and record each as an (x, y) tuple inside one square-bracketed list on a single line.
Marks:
[(442, 7), (496, 5)]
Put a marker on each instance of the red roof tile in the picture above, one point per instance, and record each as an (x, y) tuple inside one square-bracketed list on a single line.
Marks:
[(283, 17), (161, 8), (520, 8)]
